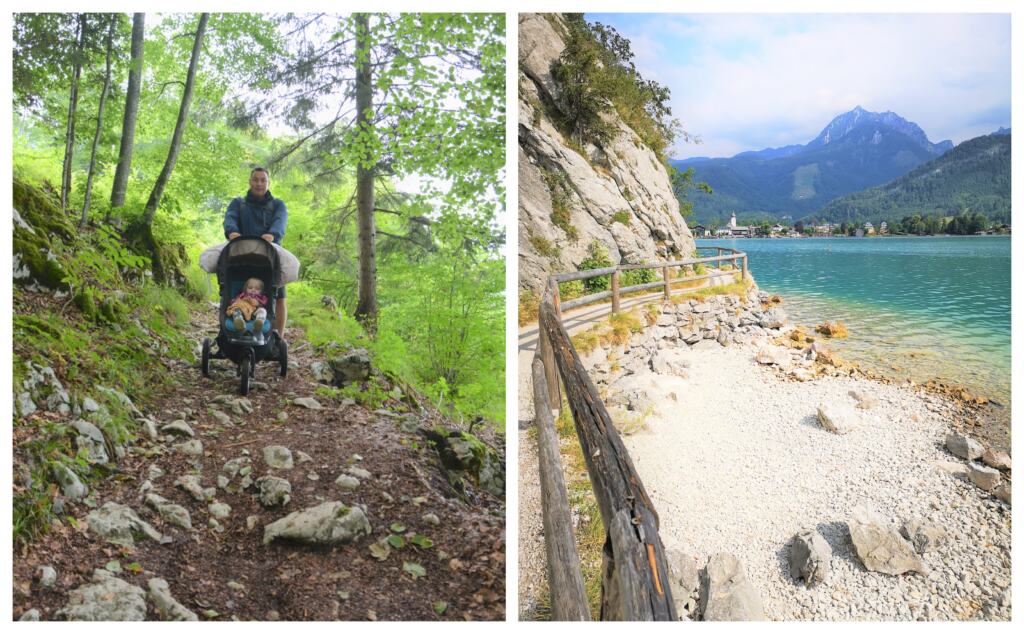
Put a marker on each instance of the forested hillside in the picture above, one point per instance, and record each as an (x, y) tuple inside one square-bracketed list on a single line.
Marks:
[(384, 136), (973, 177)]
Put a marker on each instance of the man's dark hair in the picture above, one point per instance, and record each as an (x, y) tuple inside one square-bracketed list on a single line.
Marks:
[(259, 169)]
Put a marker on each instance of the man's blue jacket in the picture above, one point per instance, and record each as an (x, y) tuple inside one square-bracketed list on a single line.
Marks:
[(250, 216)]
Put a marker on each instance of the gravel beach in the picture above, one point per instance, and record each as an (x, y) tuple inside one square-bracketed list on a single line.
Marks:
[(738, 462)]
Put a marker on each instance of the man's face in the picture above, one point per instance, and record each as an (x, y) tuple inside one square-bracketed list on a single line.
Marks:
[(259, 183)]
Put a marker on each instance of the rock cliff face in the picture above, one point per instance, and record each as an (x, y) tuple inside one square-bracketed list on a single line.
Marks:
[(569, 196)]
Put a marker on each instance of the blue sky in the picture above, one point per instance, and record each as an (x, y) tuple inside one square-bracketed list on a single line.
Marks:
[(751, 81)]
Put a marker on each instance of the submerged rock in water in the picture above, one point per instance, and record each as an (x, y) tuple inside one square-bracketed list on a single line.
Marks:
[(328, 523), (107, 598)]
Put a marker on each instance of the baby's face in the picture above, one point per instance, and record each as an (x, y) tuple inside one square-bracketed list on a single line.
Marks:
[(254, 286)]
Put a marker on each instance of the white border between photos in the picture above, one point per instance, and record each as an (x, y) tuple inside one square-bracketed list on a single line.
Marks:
[(511, 8)]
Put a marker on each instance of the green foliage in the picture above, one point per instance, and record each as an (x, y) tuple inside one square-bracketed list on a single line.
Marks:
[(621, 217), (597, 76), (570, 290), (637, 276), (682, 184), (558, 185), (597, 259), (543, 246)]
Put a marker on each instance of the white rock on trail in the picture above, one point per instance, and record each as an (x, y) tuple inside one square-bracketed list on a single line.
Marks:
[(278, 457), (727, 594), (118, 524), (964, 447), (166, 605), (837, 418), (327, 523), (107, 598)]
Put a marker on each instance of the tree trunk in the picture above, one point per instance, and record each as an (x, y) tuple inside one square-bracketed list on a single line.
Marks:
[(69, 137), (131, 112), (99, 122), (172, 156), (366, 310)]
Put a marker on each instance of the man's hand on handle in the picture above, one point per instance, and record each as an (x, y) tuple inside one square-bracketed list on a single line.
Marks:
[(269, 237), (233, 235)]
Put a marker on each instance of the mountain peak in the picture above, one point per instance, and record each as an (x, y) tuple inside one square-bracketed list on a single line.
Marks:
[(846, 122)]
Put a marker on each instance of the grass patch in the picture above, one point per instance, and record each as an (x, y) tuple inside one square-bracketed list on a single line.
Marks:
[(739, 288), (529, 307), (621, 217), (544, 247), (558, 186), (620, 327), (586, 341)]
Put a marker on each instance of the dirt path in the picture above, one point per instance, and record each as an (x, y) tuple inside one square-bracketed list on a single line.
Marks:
[(230, 574)]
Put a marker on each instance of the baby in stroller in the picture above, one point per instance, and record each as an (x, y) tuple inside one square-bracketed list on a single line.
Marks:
[(250, 304)]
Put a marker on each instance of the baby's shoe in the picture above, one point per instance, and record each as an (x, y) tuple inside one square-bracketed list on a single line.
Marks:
[(239, 322), (257, 326)]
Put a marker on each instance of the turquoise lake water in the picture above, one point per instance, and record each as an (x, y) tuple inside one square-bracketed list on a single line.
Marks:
[(915, 307)]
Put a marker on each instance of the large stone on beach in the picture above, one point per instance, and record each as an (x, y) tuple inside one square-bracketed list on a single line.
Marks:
[(964, 447), (925, 536), (684, 580), (727, 594), (838, 418), (996, 459), (278, 457), (328, 523), (880, 547), (118, 524), (773, 318), (774, 355), (107, 598), (810, 558), (985, 478), (166, 605), (671, 361)]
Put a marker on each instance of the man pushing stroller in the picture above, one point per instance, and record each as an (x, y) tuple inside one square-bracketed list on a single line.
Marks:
[(258, 213)]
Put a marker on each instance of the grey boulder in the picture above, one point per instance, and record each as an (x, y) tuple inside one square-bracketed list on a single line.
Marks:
[(170, 512), (964, 447), (925, 536), (810, 558), (985, 478), (351, 367), (90, 442), (727, 594), (274, 491), (166, 605), (278, 457), (327, 523), (70, 485), (879, 547), (107, 598), (838, 419), (118, 524)]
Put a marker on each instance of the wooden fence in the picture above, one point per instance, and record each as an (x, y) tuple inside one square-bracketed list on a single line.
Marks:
[(635, 573)]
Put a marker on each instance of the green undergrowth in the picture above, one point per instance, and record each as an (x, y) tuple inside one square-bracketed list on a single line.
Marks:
[(335, 332), (102, 323)]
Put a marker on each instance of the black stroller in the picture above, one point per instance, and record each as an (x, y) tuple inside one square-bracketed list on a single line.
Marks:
[(243, 258)]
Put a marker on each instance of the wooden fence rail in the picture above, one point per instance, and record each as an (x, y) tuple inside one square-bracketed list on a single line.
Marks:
[(635, 573)]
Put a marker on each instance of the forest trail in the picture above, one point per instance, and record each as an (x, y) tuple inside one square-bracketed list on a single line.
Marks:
[(220, 569)]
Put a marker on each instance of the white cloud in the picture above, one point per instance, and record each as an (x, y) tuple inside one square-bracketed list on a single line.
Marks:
[(746, 82)]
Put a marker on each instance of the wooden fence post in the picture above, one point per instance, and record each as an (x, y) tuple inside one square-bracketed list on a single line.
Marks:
[(743, 275), (565, 580), (615, 291), (668, 289)]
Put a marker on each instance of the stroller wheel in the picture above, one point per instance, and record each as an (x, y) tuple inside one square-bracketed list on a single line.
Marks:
[(282, 355), (245, 370), (205, 363)]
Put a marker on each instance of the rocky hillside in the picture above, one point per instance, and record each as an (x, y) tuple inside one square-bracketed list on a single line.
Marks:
[(144, 491), (571, 196)]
